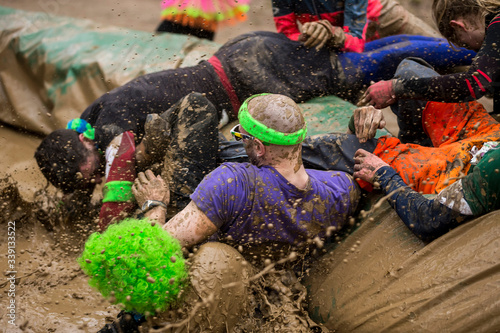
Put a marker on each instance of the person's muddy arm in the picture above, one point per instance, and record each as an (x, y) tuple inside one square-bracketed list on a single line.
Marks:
[(426, 218), (190, 226), (150, 188)]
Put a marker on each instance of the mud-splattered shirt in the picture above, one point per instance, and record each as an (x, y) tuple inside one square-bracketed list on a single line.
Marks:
[(258, 205)]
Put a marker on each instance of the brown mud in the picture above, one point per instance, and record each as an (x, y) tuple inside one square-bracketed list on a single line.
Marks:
[(51, 292)]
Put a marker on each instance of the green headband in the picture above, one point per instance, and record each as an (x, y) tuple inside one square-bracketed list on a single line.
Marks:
[(264, 133), (82, 127)]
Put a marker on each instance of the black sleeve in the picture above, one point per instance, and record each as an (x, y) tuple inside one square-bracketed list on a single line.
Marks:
[(461, 87), (426, 218)]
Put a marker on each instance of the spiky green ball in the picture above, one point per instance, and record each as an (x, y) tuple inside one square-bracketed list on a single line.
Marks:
[(136, 264)]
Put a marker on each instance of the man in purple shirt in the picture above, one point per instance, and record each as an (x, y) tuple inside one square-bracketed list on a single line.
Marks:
[(270, 206), (273, 200)]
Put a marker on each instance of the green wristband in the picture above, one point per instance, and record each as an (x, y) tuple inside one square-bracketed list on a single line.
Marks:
[(352, 126), (118, 191)]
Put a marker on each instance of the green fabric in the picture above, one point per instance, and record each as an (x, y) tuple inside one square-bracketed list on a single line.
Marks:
[(482, 185), (118, 191), (352, 126)]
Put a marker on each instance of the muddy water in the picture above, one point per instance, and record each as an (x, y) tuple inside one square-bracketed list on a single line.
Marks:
[(17, 160), (52, 295)]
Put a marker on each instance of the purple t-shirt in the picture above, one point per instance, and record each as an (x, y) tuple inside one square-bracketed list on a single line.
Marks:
[(258, 205)]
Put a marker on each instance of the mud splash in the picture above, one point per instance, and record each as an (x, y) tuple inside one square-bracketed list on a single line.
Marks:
[(52, 294)]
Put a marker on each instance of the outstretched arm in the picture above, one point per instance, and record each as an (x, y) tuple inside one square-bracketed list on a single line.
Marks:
[(190, 226), (426, 218), (471, 85)]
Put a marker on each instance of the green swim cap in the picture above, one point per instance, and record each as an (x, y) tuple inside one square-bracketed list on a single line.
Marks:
[(264, 133), (136, 264)]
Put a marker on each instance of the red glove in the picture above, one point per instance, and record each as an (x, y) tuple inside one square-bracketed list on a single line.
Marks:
[(380, 95)]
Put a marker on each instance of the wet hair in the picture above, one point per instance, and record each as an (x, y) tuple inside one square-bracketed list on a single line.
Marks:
[(136, 264), (446, 10), (59, 157)]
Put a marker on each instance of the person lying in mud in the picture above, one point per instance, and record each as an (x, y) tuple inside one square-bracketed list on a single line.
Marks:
[(232, 74), (474, 24), (72, 160), (273, 200), (269, 62)]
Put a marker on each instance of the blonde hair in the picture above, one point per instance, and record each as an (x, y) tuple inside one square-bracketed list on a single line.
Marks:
[(446, 10)]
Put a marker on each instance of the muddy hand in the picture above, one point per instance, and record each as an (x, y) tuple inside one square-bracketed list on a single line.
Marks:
[(147, 186), (366, 165), (380, 95), (367, 120), (315, 34)]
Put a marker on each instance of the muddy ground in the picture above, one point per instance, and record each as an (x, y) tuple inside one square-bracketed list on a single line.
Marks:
[(51, 293)]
